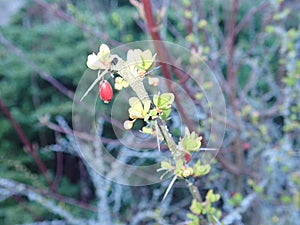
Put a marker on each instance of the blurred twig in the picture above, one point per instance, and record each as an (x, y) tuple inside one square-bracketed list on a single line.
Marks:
[(163, 54), (21, 189), (28, 147), (59, 170), (18, 52), (233, 86), (250, 15), (53, 8)]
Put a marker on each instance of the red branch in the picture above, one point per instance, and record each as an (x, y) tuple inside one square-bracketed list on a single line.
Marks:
[(162, 54), (231, 75), (233, 84), (27, 145)]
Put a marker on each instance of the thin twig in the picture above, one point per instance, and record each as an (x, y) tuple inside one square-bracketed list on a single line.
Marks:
[(53, 8), (28, 147), (163, 54)]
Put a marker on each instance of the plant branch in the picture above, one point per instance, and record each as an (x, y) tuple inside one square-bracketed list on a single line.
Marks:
[(54, 9), (22, 189), (250, 15), (163, 54), (233, 86), (29, 149)]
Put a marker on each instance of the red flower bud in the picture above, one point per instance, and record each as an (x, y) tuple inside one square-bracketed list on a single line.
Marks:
[(233, 194), (187, 158), (246, 146), (105, 91)]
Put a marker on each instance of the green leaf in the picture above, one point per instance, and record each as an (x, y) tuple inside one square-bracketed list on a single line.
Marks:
[(153, 113), (163, 104), (179, 163), (166, 165), (201, 170), (191, 141), (137, 110), (165, 114), (218, 214), (211, 197), (194, 218), (146, 130), (290, 80), (196, 207), (165, 100)]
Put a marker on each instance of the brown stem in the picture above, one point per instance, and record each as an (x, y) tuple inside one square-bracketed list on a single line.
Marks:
[(162, 54), (194, 192), (250, 15), (233, 169), (231, 73), (61, 198), (25, 141), (233, 84), (104, 140)]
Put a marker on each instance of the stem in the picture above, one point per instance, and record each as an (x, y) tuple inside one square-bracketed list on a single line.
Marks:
[(27, 145), (94, 83), (55, 10), (163, 54), (194, 192), (59, 170), (138, 87), (135, 83), (177, 154), (233, 84)]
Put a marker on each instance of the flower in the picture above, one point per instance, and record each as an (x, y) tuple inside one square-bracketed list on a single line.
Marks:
[(120, 83), (104, 51), (101, 60), (153, 81), (128, 124), (139, 62), (138, 110)]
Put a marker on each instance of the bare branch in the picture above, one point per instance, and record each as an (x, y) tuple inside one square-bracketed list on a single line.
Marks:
[(31, 194)]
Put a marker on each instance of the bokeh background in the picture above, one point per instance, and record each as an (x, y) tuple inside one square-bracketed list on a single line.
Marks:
[(252, 47)]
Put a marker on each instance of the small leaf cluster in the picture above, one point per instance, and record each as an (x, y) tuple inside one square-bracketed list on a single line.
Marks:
[(201, 209), (147, 110), (182, 170), (190, 143)]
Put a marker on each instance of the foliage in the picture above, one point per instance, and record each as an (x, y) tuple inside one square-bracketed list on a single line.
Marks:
[(261, 182)]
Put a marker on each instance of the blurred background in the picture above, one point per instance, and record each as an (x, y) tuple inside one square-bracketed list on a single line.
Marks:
[(252, 47)]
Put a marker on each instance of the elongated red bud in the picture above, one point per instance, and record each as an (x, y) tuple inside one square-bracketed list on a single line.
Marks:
[(105, 91)]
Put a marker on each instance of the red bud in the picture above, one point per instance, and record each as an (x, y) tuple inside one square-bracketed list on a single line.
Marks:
[(246, 146), (105, 91), (187, 158)]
